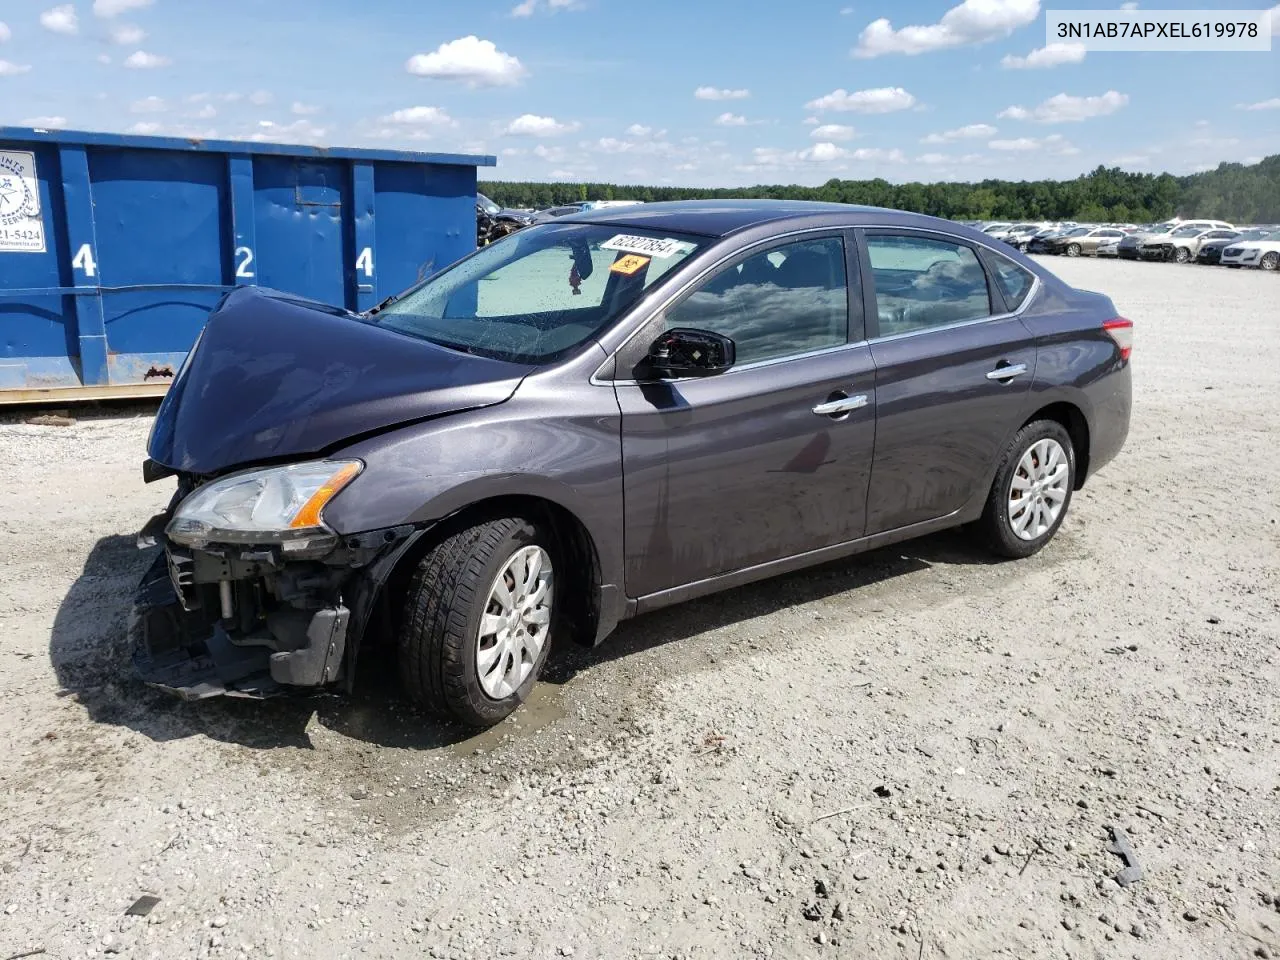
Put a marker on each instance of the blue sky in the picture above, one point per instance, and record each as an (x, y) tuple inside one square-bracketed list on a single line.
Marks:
[(699, 92)]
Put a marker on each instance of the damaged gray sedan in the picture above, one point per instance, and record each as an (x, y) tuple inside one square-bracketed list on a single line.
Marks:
[(597, 417)]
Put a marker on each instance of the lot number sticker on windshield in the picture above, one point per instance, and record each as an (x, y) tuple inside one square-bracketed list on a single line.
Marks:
[(21, 226), (646, 246), (630, 264)]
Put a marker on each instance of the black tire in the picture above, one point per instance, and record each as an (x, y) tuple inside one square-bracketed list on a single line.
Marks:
[(994, 527), (1269, 260), (442, 611), (1073, 249)]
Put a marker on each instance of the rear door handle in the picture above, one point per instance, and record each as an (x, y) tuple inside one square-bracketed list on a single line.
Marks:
[(1008, 371), (833, 408)]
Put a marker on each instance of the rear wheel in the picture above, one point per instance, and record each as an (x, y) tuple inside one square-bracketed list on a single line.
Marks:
[(1270, 261), (1073, 249), (1031, 491), (478, 621)]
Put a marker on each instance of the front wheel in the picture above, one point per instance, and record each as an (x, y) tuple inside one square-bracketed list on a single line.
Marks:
[(1181, 254), (478, 620), (1270, 261), (1073, 249), (1031, 491)]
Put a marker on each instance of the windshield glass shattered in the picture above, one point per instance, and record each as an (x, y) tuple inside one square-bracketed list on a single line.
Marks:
[(538, 293)]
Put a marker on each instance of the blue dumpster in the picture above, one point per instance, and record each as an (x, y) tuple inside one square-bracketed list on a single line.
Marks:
[(113, 249)]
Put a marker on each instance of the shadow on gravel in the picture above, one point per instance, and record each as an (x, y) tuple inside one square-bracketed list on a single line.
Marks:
[(89, 650), (764, 597)]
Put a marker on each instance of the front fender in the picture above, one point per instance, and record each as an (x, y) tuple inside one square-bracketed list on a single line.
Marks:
[(425, 472)]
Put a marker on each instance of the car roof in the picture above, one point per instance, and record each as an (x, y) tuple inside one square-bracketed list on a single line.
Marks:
[(719, 218)]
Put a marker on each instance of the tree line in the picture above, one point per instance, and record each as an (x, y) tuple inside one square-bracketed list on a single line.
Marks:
[(1236, 192)]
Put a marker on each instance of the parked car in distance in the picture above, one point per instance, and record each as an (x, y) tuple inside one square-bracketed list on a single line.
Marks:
[(1210, 251), (554, 213), (1109, 248), (1130, 246), (597, 417), (1263, 253), (494, 222), (1019, 235), (1039, 242), (1182, 244), (1082, 240)]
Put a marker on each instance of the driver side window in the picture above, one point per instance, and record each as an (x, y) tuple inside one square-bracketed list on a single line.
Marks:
[(786, 301)]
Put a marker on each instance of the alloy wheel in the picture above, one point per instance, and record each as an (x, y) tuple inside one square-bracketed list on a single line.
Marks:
[(515, 623), (1038, 490)]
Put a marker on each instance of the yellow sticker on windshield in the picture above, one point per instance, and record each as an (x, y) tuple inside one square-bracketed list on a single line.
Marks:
[(630, 264)]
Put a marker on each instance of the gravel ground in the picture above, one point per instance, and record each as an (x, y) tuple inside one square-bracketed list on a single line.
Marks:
[(916, 753)]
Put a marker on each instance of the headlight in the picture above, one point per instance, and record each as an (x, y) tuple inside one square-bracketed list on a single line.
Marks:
[(276, 505)]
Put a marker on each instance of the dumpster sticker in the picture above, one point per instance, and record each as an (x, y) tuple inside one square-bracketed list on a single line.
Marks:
[(21, 226)]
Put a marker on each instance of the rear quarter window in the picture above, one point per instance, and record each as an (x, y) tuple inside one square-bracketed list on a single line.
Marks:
[(1014, 281)]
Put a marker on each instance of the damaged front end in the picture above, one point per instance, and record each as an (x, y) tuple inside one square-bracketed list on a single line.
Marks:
[(218, 617)]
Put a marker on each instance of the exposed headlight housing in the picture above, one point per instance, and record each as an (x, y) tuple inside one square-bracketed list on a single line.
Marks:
[(271, 506)]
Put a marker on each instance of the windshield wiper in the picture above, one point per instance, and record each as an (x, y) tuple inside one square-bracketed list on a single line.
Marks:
[(383, 304)]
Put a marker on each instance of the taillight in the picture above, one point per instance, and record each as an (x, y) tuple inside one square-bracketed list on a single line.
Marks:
[(1121, 331)]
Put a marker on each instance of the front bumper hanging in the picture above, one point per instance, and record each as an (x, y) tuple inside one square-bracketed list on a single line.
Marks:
[(245, 621)]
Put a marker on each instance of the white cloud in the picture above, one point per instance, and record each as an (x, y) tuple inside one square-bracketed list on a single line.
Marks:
[(1129, 5), (207, 112), (1132, 160), (141, 60), (104, 59), (145, 127), (5, 33), (10, 69), (876, 153), (420, 117), (476, 62), (811, 121), (44, 123), (1065, 108), (61, 19), (716, 93), (1272, 104), (532, 125), (113, 8), (300, 109), (833, 131), (1053, 55), (823, 153), (877, 100), (148, 105), (932, 159), (127, 35), (971, 22), (639, 130), (300, 131), (529, 7), (969, 132), (731, 120), (550, 154), (260, 98), (1054, 143)]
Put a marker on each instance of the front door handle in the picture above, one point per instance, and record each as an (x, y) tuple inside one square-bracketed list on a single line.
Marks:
[(835, 408), (1008, 371)]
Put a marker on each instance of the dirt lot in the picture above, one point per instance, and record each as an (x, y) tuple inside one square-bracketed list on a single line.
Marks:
[(911, 754)]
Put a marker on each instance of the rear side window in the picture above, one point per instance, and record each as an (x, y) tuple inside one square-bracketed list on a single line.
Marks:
[(1014, 282), (923, 283)]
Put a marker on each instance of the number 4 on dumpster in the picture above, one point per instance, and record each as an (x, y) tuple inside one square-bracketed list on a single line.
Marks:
[(84, 261)]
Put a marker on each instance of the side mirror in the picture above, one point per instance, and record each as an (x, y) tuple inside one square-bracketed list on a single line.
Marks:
[(684, 352)]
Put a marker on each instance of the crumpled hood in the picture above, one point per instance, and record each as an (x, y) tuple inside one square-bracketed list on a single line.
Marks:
[(274, 376)]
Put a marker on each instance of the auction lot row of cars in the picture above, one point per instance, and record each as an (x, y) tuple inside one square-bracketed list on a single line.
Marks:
[(1176, 241)]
